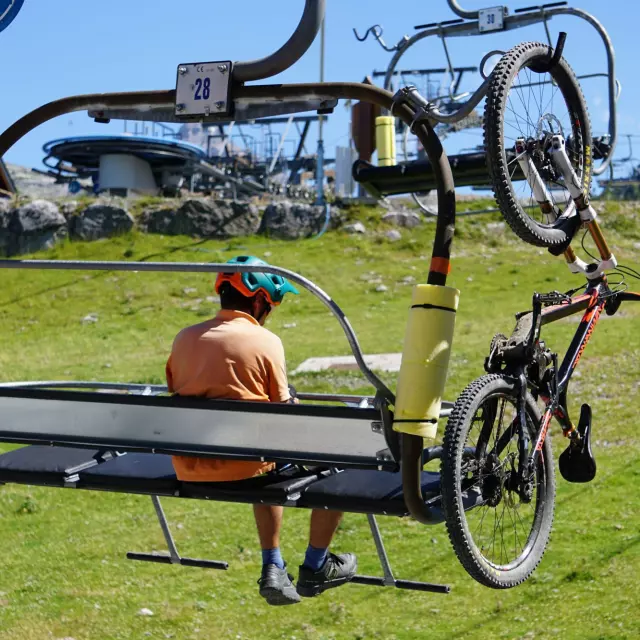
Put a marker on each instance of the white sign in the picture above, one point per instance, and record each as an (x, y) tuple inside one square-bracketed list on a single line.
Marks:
[(202, 89), (491, 19)]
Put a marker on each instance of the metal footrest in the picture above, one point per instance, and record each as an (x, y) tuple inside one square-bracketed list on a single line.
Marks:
[(173, 557), (411, 585), (185, 562)]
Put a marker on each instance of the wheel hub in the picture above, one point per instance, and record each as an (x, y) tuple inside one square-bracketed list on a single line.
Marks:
[(493, 481)]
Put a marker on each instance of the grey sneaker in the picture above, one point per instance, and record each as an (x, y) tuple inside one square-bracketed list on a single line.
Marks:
[(276, 586), (335, 571)]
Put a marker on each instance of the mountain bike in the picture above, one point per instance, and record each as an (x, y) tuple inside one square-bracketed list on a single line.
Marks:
[(496, 440)]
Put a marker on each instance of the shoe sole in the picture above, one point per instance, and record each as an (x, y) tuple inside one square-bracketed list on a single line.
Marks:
[(277, 598), (316, 589)]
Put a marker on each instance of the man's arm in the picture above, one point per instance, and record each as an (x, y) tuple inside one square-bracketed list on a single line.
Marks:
[(169, 375), (278, 384)]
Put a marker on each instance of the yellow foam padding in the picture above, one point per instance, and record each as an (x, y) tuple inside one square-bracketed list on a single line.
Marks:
[(425, 359), (386, 140)]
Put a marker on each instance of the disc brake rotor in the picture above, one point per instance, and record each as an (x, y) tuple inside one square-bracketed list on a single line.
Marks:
[(553, 126)]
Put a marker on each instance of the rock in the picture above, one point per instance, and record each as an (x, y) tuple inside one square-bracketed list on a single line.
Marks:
[(5, 216), (68, 208), (393, 235), (381, 288), (407, 219), (145, 612), (289, 325), (36, 185), (101, 220), (35, 217), (32, 227), (290, 221), (5, 208), (90, 318), (157, 220), (203, 218), (356, 227)]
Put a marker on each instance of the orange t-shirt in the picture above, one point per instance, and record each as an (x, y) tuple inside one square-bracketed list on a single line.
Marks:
[(230, 357)]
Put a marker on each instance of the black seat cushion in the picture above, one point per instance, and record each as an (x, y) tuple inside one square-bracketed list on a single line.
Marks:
[(365, 491), (151, 473), (147, 473), (42, 465), (281, 487)]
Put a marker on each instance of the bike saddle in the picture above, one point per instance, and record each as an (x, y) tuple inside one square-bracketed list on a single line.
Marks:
[(577, 463)]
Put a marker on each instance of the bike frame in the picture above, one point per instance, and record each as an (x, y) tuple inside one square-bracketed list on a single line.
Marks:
[(597, 298)]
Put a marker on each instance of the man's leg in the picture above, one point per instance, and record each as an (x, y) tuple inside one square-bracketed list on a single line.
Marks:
[(269, 522), (322, 527), (275, 585), (321, 570)]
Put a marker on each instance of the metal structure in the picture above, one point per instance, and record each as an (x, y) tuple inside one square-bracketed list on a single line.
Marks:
[(454, 106), (237, 159)]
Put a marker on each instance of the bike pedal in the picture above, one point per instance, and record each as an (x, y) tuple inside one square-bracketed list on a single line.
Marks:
[(577, 463)]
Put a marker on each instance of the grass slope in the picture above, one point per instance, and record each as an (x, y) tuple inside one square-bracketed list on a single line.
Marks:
[(63, 573)]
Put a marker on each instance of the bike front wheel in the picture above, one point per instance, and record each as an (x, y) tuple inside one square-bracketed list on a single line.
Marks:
[(524, 110), (501, 541)]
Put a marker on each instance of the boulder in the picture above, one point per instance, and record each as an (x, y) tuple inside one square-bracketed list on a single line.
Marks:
[(290, 221), (356, 227), (157, 219), (393, 235), (32, 227), (68, 208), (101, 220), (5, 215), (407, 219), (203, 218)]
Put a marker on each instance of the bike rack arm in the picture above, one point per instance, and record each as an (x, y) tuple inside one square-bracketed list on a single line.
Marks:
[(290, 52)]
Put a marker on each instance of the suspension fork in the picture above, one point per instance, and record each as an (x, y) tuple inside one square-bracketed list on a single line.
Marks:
[(523, 436)]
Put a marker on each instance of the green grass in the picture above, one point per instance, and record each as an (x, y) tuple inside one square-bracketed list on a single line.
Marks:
[(63, 571)]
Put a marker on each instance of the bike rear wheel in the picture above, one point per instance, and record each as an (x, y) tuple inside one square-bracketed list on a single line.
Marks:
[(531, 107), (500, 542)]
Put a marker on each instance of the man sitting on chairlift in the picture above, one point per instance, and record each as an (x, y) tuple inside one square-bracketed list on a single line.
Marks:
[(233, 356)]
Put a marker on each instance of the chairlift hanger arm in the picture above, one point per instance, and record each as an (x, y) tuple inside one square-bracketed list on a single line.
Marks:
[(290, 52)]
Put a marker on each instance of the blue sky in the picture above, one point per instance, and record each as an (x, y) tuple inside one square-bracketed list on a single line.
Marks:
[(56, 49)]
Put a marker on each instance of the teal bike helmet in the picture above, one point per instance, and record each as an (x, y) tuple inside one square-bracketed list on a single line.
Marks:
[(274, 287)]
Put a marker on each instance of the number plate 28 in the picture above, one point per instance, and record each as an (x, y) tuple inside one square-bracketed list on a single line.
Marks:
[(491, 19), (203, 89)]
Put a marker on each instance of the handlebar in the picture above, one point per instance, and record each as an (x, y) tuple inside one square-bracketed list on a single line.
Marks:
[(290, 52)]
